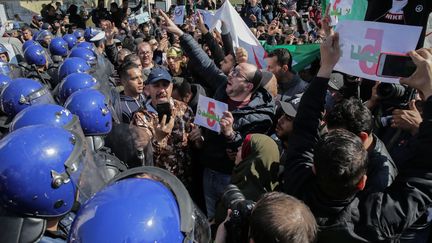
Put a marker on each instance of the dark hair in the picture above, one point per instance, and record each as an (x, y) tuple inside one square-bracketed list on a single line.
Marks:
[(351, 115), (184, 88), (283, 57), (73, 9), (124, 68), (340, 161), (278, 217), (26, 27)]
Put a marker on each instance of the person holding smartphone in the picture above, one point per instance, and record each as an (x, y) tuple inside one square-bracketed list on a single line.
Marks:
[(169, 122)]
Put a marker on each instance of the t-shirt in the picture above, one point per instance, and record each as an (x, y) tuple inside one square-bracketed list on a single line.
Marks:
[(405, 12)]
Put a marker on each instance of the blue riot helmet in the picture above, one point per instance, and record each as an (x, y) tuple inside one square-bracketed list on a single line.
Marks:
[(93, 110), (35, 35), (36, 55), (86, 45), (85, 54), (93, 34), (29, 43), (58, 47), (4, 80), (48, 114), (71, 40), (43, 167), (78, 34), (144, 204), (73, 65), (21, 93), (79, 81), (74, 82), (44, 38)]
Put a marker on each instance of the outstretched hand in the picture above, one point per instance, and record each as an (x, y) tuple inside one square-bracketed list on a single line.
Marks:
[(201, 24), (169, 25), (421, 79), (330, 53)]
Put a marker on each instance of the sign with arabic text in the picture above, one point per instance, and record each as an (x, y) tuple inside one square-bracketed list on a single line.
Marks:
[(209, 112), (362, 42)]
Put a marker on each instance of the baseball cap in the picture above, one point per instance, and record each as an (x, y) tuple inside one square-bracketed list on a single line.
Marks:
[(290, 107), (336, 81), (157, 74), (266, 77)]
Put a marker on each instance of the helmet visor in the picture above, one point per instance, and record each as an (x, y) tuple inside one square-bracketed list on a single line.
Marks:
[(80, 166), (112, 99), (41, 96), (201, 231)]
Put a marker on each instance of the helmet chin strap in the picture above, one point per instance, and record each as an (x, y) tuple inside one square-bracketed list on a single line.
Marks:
[(95, 142)]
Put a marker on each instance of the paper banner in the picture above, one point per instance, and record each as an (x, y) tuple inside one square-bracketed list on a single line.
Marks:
[(209, 113), (361, 48)]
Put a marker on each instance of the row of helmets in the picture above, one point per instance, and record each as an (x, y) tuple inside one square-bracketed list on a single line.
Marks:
[(46, 166)]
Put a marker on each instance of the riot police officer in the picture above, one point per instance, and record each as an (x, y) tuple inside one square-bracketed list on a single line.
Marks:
[(59, 51), (38, 66), (43, 169), (144, 204), (96, 116)]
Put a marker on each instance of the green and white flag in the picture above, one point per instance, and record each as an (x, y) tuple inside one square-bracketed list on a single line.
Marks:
[(303, 55), (345, 9)]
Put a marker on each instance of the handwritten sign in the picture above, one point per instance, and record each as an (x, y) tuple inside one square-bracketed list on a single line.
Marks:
[(361, 48), (209, 113)]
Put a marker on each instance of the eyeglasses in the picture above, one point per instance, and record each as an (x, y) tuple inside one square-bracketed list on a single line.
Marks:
[(235, 72)]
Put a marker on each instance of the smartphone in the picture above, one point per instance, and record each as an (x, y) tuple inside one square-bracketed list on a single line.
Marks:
[(395, 65), (164, 109)]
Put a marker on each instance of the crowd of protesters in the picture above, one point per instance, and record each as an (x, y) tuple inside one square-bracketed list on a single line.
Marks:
[(98, 140)]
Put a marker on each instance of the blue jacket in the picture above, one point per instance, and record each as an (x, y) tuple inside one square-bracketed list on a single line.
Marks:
[(129, 105)]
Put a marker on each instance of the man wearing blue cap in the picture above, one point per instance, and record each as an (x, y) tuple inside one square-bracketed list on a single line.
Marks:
[(169, 122)]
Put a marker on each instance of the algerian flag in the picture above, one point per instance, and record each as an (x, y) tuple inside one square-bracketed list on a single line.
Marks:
[(179, 13), (346, 9), (240, 34), (303, 55)]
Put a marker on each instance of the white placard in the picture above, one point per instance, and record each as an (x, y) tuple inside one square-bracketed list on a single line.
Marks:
[(179, 13), (209, 112), (142, 18), (363, 41)]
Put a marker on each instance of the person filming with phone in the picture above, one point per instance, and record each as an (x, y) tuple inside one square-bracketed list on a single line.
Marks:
[(168, 121)]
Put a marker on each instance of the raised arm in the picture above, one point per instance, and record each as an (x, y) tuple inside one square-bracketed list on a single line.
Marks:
[(213, 77), (307, 121)]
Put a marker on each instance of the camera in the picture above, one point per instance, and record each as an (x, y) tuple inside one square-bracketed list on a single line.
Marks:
[(392, 96), (238, 225), (395, 95)]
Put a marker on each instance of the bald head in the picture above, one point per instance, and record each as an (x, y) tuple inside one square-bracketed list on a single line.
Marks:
[(251, 73)]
